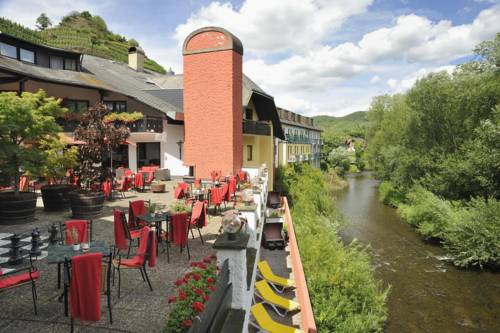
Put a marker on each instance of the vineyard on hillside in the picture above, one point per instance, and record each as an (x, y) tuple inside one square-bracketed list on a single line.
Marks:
[(79, 32)]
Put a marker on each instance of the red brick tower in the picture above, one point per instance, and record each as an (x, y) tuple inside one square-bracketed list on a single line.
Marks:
[(213, 101)]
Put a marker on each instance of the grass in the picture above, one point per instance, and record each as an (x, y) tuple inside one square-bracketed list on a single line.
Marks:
[(344, 294)]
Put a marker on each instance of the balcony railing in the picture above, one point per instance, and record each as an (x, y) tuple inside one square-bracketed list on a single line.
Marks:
[(297, 139), (148, 124), (256, 128)]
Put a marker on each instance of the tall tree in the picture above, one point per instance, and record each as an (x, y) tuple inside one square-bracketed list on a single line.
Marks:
[(43, 22)]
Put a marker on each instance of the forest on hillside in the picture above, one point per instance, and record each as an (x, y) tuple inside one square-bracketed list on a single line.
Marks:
[(80, 32), (437, 150)]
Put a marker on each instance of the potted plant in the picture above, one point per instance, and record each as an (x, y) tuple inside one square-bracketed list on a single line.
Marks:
[(100, 134), (179, 207), (157, 186), (24, 121), (60, 158)]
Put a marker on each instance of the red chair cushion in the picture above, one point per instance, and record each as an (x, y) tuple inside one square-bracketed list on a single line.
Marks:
[(135, 233), (17, 279)]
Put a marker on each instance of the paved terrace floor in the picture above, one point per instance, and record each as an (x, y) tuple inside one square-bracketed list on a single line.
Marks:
[(138, 309)]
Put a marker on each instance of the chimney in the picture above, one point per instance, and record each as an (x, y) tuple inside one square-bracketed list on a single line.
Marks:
[(213, 75), (136, 58)]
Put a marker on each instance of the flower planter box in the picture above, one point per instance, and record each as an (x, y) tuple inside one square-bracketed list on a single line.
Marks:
[(15, 209), (157, 188), (55, 197), (86, 205)]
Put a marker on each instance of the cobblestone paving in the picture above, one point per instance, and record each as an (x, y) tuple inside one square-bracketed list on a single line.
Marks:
[(138, 309)]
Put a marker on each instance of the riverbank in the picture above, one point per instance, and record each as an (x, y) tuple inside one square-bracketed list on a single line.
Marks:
[(344, 294), (427, 293)]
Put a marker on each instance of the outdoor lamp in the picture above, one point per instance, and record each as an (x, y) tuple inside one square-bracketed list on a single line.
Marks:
[(231, 224)]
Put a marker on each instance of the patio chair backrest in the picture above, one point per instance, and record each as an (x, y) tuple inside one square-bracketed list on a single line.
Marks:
[(136, 208), (84, 228)]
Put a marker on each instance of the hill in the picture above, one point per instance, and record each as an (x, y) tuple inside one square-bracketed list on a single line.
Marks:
[(80, 32), (353, 124)]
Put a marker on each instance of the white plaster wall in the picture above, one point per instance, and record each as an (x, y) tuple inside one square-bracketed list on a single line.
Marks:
[(170, 150)]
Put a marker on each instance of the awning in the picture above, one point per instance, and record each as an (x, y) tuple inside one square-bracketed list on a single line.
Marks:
[(70, 140), (266, 110)]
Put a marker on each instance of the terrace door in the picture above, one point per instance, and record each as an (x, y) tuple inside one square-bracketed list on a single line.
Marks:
[(148, 153)]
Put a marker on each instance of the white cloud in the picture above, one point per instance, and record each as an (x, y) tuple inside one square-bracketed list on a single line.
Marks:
[(278, 25), (375, 79), (26, 12), (401, 85)]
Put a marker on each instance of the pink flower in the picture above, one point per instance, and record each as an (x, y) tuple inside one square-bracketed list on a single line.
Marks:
[(198, 306)]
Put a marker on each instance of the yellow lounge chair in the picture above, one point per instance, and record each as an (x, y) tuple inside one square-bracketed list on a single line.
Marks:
[(264, 292), (276, 281), (265, 323)]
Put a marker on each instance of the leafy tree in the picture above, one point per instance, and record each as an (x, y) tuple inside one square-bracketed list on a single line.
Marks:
[(59, 158), (132, 42), (24, 121), (43, 22), (100, 136)]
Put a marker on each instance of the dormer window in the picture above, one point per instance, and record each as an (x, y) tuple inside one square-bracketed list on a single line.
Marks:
[(56, 62), (70, 64), (8, 50)]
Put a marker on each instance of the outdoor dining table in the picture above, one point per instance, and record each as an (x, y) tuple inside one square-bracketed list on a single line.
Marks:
[(156, 220), (62, 253)]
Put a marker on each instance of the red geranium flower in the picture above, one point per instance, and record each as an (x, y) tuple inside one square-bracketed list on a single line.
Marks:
[(202, 265), (212, 288), (213, 256), (187, 323), (198, 306), (198, 291), (179, 283), (172, 299), (182, 295), (207, 260), (205, 297), (196, 277), (193, 264), (210, 280)]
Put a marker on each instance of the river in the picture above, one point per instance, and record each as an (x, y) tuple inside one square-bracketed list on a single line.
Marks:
[(427, 294)]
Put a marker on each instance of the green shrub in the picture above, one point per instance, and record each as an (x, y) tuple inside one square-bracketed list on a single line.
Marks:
[(428, 213), (390, 195), (344, 294), (474, 240)]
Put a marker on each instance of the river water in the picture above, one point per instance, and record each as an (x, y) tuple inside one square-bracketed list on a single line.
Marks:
[(427, 293)]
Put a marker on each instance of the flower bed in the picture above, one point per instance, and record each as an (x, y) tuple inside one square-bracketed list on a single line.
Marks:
[(194, 290)]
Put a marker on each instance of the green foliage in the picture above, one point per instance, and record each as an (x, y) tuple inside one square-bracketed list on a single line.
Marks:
[(474, 239), (179, 207), (351, 125), (80, 32), (43, 22), (24, 121), (428, 213), (390, 195), (339, 160), (59, 158), (124, 117), (344, 294)]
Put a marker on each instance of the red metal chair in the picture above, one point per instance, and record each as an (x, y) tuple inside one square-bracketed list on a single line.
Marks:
[(179, 231), (215, 198), (124, 186), (198, 218), (124, 237), (20, 277), (136, 208), (145, 254)]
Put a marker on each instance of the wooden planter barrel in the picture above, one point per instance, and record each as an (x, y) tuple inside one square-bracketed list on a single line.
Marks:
[(86, 205), (55, 197), (16, 209)]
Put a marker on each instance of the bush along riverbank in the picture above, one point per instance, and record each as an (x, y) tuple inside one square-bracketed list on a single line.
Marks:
[(344, 294), (469, 231), (437, 150)]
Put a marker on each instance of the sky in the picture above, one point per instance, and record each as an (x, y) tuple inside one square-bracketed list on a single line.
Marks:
[(314, 56)]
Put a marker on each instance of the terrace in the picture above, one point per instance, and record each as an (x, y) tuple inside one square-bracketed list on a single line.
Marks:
[(140, 309)]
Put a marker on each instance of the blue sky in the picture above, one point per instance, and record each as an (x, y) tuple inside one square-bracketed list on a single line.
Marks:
[(313, 56)]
